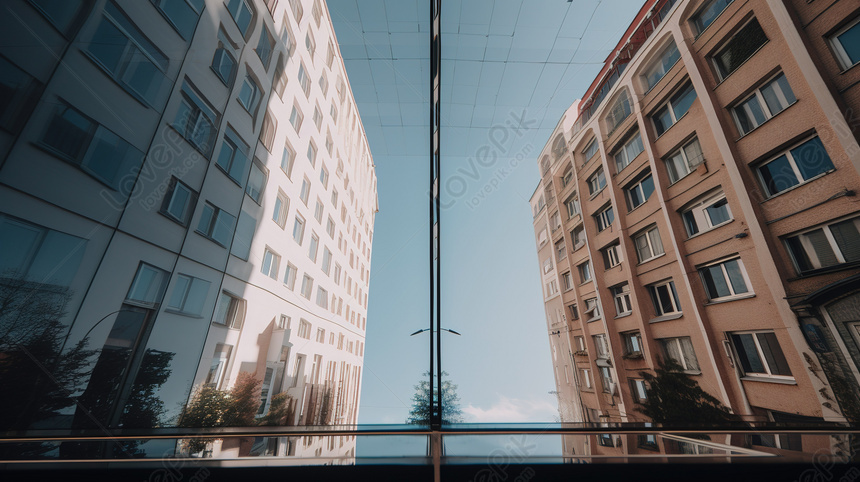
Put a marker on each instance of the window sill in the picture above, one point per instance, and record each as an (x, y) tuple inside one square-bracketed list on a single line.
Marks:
[(634, 356), (594, 195), (201, 233), (729, 299), (590, 320), (792, 188), (830, 269), (651, 259), (769, 379), (624, 315), (673, 316), (182, 313), (711, 229)]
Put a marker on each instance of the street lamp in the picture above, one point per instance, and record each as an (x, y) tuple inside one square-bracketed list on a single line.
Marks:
[(428, 329)]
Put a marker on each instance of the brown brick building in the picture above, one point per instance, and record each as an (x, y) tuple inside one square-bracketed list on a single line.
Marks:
[(699, 204)]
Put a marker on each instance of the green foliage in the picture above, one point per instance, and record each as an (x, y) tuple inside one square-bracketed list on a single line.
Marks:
[(675, 398), (421, 400)]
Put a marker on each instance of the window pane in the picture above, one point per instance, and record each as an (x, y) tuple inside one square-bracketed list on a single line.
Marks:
[(799, 254), (682, 102), (811, 158), (180, 289), (736, 278), (748, 354), (850, 41), (108, 45), (778, 175), (718, 212), (689, 354), (773, 354), (750, 115), (709, 13), (223, 229), (715, 282), (778, 95), (847, 239), (662, 120), (822, 248), (741, 47), (244, 235), (664, 298)]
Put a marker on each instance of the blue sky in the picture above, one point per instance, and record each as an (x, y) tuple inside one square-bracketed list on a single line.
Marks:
[(510, 70)]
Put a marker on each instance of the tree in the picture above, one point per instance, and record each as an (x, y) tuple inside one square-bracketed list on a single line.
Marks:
[(210, 407), (673, 397), (37, 379), (420, 412)]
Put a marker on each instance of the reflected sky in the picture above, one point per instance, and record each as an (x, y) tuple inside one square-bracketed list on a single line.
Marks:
[(510, 71)]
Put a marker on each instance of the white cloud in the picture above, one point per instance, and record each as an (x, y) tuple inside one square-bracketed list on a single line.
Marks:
[(511, 410)]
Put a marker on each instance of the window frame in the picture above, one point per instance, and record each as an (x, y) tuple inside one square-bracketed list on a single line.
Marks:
[(672, 296), (734, 295), (794, 167), (699, 210), (762, 102), (763, 358), (167, 201), (686, 162), (718, 67), (833, 244), (841, 54), (646, 234), (670, 105), (594, 184), (621, 299)]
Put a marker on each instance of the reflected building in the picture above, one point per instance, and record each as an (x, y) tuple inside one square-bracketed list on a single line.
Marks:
[(187, 198), (698, 205)]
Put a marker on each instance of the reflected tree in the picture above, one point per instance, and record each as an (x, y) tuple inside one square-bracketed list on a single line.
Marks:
[(421, 401), (210, 407), (38, 378), (674, 397)]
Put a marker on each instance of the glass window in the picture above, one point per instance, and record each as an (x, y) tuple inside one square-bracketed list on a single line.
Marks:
[(584, 272), (741, 47), (241, 12), (189, 295), (648, 244), (287, 160), (759, 354), (628, 152), (723, 280), (290, 276), (282, 206), (704, 215), (268, 130), (771, 99), (33, 253), (673, 110), (216, 224), (591, 149), (829, 245), (19, 93), (182, 14), (271, 263), (124, 52), (250, 95), (612, 256), (846, 44), (224, 61), (245, 229), (632, 343), (257, 181), (63, 14), (230, 311), (709, 13), (621, 296), (195, 119), (307, 286), (639, 192), (596, 182), (619, 111), (299, 229), (88, 145), (233, 156), (306, 191), (795, 166), (179, 201), (604, 218), (661, 65), (148, 285), (265, 47), (684, 160), (216, 369), (681, 351), (304, 80), (665, 298)]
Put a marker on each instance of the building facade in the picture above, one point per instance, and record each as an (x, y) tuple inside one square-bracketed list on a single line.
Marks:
[(186, 195), (698, 205)]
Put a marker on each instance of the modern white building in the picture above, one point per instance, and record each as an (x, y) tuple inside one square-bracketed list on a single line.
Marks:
[(193, 177)]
